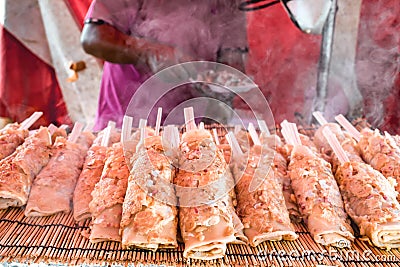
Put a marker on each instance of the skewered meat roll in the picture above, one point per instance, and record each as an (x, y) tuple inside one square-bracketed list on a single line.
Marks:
[(382, 153), (149, 217), (108, 196), (370, 200), (90, 175), (18, 171), (240, 237), (319, 198), (11, 136), (202, 188), (262, 209), (53, 188), (237, 224), (280, 168)]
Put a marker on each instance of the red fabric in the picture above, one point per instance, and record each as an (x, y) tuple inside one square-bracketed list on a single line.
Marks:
[(79, 8), (28, 84), (283, 61)]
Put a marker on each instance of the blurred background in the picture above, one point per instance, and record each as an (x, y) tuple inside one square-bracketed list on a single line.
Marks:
[(43, 66)]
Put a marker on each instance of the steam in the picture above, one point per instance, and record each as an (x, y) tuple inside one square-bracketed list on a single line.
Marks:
[(378, 60)]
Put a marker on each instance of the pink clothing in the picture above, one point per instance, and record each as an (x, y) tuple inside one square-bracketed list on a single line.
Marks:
[(198, 28)]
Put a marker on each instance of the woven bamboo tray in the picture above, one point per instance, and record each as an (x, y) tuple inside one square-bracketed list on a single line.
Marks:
[(58, 239)]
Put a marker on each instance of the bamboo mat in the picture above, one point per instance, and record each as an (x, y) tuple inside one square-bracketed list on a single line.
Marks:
[(58, 239)]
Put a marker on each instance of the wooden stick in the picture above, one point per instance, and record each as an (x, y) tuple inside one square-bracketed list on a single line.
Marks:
[(295, 134), (142, 127), (112, 124), (253, 134), (64, 126), (126, 129), (290, 133), (335, 145), (348, 127), (189, 119), (27, 123), (52, 128), (105, 140), (233, 142), (158, 121), (142, 123), (286, 133), (76, 131), (201, 125), (237, 129), (216, 136), (320, 118), (263, 127), (171, 133)]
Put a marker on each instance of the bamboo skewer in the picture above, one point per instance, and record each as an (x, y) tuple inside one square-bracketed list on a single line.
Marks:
[(348, 127), (189, 119), (171, 134), (215, 134), (254, 135), (142, 127), (142, 123), (158, 121), (106, 137), (286, 133), (201, 125), (237, 129), (233, 142), (113, 124), (263, 127), (334, 143), (320, 118), (52, 128), (295, 134), (126, 129), (26, 124), (76, 131), (290, 133)]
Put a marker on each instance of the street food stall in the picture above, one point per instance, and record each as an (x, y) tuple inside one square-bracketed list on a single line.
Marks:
[(286, 160)]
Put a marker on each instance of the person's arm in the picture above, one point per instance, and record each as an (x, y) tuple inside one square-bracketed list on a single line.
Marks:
[(106, 42)]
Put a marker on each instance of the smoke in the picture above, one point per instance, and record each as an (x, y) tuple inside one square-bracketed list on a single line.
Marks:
[(377, 62)]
